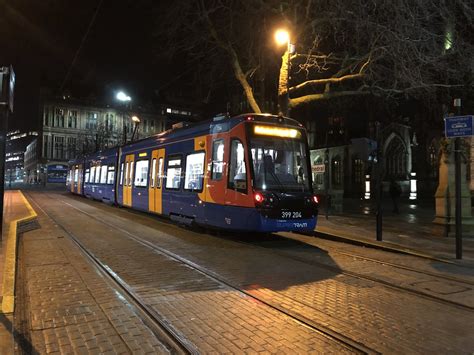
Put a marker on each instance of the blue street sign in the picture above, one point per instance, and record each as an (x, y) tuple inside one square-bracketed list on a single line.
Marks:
[(458, 126)]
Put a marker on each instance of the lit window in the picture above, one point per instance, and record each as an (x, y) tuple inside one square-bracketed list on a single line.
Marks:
[(194, 171), (97, 175), (237, 170), (173, 178), (160, 172), (86, 179), (121, 174), (217, 159), (103, 174), (110, 175), (153, 173), (141, 173), (92, 177)]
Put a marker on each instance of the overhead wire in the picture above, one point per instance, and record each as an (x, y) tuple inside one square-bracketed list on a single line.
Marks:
[(80, 46)]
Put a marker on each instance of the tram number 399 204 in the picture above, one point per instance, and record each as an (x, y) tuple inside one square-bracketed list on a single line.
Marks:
[(291, 215)]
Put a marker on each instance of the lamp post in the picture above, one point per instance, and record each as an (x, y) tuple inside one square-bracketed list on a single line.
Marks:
[(126, 100), (282, 37), (137, 123)]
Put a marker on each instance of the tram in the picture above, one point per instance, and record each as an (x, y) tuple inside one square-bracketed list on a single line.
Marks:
[(246, 173)]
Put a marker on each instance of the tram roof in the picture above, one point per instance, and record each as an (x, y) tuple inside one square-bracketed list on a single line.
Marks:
[(224, 124)]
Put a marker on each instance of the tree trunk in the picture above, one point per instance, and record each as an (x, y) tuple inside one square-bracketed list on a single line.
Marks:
[(283, 98)]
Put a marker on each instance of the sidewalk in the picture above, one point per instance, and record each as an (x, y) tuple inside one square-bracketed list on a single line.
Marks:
[(411, 230), (15, 211)]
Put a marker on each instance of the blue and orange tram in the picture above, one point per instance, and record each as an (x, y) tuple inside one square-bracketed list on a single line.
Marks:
[(249, 172)]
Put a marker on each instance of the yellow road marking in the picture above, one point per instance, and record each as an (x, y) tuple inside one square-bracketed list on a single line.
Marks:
[(9, 271)]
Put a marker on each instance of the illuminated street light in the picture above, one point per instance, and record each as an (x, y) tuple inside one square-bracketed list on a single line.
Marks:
[(135, 119), (121, 96), (282, 37)]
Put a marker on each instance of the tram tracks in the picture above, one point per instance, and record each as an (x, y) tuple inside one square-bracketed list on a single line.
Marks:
[(322, 330)]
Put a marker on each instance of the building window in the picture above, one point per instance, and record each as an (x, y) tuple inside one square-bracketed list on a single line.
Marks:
[(336, 170), (91, 121), (173, 177), (318, 176), (59, 148), (396, 159), (46, 147), (71, 148), (194, 171), (59, 119), (433, 160), (72, 119), (357, 170)]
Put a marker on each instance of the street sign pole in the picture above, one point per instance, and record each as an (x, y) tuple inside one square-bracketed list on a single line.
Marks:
[(457, 178), (7, 86)]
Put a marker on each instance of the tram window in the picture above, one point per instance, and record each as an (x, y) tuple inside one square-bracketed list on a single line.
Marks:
[(126, 174), (97, 175), (76, 175), (217, 159), (121, 174), (153, 173), (194, 171), (141, 173), (160, 173), (86, 178), (173, 177), (92, 177), (130, 177), (103, 174), (110, 175), (237, 171)]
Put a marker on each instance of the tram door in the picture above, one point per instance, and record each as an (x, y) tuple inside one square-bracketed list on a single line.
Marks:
[(216, 177), (128, 180), (79, 179), (71, 177), (155, 186)]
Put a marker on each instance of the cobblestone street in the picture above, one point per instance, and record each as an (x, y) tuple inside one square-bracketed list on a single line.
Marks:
[(228, 293)]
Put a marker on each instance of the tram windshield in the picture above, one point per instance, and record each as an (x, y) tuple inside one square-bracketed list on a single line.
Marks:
[(279, 164)]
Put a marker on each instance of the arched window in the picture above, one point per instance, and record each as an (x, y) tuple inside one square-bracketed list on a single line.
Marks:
[(318, 177), (396, 159), (357, 170), (433, 160), (336, 171)]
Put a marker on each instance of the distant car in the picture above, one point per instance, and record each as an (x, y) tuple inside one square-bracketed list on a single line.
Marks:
[(459, 125)]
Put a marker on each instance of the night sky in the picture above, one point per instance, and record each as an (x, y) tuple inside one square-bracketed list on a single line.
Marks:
[(40, 39)]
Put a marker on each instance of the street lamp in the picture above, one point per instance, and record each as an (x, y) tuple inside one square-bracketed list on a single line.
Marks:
[(282, 37), (135, 130), (121, 96), (124, 98)]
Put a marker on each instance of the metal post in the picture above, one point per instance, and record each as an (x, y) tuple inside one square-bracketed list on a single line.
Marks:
[(378, 184), (288, 68), (3, 140), (326, 176), (457, 179)]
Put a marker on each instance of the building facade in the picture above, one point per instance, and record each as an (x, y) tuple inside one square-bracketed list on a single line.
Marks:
[(70, 128)]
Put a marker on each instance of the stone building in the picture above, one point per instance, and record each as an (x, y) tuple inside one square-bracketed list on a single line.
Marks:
[(69, 128)]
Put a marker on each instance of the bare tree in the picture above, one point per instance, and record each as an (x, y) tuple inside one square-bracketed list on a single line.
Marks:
[(382, 48)]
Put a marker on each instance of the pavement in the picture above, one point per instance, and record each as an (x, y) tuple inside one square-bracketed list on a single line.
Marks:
[(16, 213), (410, 231)]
